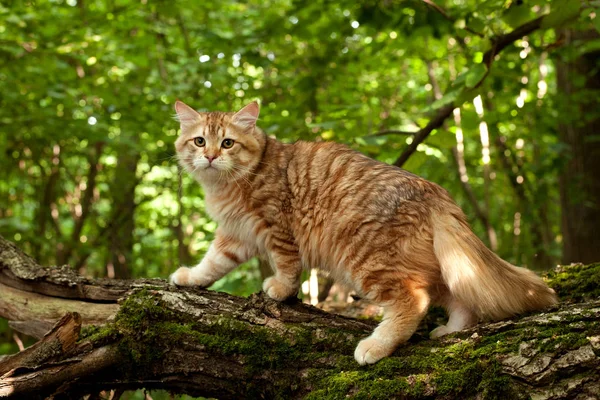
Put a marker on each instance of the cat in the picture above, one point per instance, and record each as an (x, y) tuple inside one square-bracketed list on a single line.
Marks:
[(397, 239)]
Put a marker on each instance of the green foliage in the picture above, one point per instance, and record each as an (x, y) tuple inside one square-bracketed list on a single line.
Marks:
[(475, 75), (91, 86), (562, 12), (7, 345), (87, 172)]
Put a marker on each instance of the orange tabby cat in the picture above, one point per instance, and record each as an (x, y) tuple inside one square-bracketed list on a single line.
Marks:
[(397, 239)]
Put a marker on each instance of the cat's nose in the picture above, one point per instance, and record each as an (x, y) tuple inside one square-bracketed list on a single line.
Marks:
[(210, 158)]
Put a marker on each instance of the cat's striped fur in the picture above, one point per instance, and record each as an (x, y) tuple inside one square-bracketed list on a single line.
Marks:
[(397, 239)]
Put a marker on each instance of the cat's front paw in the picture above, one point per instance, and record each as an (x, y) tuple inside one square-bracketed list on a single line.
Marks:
[(185, 276), (278, 290), (181, 277), (371, 350)]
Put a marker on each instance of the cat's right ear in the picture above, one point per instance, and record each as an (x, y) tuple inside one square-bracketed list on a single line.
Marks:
[(186, 115), (247, 116)]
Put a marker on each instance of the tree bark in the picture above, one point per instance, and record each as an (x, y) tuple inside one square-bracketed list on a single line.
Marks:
[(87, 201), (579, 127), (149, 334), (123, 192)]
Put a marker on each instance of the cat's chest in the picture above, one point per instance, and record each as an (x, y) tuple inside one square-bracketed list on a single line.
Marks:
[(232, 216)]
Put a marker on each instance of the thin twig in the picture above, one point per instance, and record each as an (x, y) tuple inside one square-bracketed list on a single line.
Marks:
[(392, 132), (448, 17), (498, 44), (18, 341)]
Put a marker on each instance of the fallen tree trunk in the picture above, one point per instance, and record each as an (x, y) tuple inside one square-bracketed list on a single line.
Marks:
[(148, 334)]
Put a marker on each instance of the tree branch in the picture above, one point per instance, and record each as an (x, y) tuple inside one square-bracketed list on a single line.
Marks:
[(422, 134), (440, 10), (86, 203), (61, 339), (499, 43), (482, 214), (210, 344)]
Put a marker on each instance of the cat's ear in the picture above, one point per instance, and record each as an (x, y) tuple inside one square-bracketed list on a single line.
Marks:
[(186, 115), (247, 116)]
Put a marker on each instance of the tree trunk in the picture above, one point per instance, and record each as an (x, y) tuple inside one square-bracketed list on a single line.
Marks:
[(152, 335), (579, 85), (123, 192)]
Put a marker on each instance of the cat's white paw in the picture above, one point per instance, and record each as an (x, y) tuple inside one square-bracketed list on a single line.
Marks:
[(277, 290), (440, 331), (181, 277), (371, 350), (185, 276)]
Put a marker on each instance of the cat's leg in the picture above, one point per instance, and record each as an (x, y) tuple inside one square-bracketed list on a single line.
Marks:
[(285, 260), (459, 318), (224, 254), (402, 314)]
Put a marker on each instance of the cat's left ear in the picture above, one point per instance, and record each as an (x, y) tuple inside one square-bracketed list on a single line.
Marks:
[(186, 114), (247, 116)]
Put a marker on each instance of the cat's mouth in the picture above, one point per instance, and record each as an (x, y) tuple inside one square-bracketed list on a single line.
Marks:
[(211, 167)]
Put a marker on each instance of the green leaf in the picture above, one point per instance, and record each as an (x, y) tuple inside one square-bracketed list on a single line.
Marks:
[(467, 95), (442, 139), (475, 75), (477, 25), (371, 140), (415, 161), (324, 125), (460, 79), (596, 23), (518, 15), (562, 12), (446, 99), (589, 47)]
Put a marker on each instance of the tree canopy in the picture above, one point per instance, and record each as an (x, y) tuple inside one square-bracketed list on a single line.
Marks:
[(467, 94)]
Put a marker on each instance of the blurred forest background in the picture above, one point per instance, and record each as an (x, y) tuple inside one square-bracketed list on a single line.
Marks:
[(87, 87)]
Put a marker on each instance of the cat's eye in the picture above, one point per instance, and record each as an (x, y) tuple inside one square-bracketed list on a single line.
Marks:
[(227, 143), (199, 141)]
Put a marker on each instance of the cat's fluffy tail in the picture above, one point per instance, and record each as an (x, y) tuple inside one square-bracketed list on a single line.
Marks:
[(478, 278)]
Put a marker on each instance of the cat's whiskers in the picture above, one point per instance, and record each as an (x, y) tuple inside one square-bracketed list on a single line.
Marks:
[(221, 175), (246, 170), (230, 174), (182, 169), (184, 159), (169, 158), (240, 172)]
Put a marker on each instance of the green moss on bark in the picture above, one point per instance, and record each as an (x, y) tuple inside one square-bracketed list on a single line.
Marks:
[(576, 283), (419, 370), (146, 325), (457, 366)]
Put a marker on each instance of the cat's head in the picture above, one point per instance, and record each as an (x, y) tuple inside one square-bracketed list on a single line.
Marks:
[(216, 147)]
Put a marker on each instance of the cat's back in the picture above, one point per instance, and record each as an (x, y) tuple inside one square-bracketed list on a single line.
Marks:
[(344, 201), (334, 174)]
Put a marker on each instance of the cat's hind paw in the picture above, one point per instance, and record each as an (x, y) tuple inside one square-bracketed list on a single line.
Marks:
[(277, 290), (440, 331), (371, 350)]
